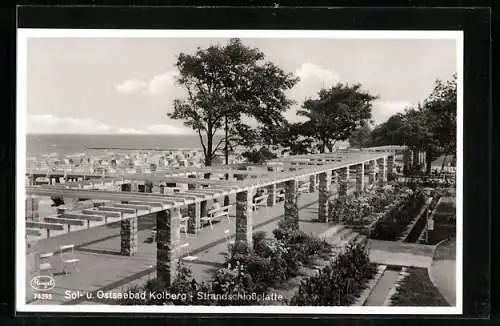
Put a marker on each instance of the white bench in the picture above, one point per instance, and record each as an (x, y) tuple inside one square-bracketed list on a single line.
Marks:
[(216, 213), (260, 201)]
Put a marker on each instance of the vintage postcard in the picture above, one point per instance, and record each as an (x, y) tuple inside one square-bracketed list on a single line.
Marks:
[(252, 171)]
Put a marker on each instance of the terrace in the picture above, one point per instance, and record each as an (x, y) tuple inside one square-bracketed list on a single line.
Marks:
[(113, 241)]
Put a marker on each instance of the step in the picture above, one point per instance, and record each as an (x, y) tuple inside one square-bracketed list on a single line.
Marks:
[(331, 232), (342, 235)]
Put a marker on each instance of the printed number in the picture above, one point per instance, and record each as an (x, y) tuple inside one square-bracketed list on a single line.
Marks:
[(42, 296)]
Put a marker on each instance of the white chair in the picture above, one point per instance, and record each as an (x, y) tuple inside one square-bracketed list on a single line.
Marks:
[(208, 219), (188, 257), (44, 265), (68, 258), (184, 224), (227, 236)]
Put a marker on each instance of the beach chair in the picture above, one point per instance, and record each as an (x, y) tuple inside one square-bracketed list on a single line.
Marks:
[(68, 259), (44, 265), (186, 253)]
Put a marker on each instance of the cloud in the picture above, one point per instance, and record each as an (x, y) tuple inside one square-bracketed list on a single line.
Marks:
[(132, 86), (130, 131), (47, 123), (312, 78), (383, 110), (51, 124), (166, 129), (310, 73), (159, 84)]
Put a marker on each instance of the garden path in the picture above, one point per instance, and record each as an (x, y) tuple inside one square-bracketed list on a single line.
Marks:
[(394, 253)]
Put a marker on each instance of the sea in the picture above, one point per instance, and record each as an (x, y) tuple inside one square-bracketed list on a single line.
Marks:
[(67, 144)]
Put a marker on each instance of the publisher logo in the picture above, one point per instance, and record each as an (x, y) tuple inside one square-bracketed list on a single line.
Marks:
[(43, 283)]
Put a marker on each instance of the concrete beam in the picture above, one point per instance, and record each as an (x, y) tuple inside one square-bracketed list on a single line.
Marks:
[(44, 225), (117, 209)]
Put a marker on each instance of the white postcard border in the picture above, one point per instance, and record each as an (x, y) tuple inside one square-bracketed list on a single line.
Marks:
[(20, 285)]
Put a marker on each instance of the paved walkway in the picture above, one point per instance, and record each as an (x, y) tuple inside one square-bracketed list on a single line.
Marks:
[(393, 253), (381, 290), (103, 268), (442, 271)]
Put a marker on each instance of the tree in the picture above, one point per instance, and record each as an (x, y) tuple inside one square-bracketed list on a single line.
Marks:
[(441, 110), (259, 156), (361, 137), (429, 127), (225, 84), (336, 114), (292, 136), (389, 132)]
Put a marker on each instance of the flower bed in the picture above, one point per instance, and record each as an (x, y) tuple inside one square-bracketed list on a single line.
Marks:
[(382, 213), (340, 282), (397, 216), (247, 270)]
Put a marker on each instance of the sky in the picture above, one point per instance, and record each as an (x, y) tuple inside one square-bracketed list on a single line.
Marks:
[(127, 85)]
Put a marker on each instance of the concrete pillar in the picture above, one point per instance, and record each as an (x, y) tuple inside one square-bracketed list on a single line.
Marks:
[(162, 189), (371, 172), (271, 195), (406, 161), (360, 178), (148, 187), (415, 157), (312, 183), (167, 241), (244, 217), (194, 213), (128, 235), (382, 172), (203, 208), (390, 166), (343, 179), (291, 202), (32, 207), (324, 193)]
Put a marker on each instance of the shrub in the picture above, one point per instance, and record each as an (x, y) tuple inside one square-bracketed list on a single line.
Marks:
[(338, 283), (232, 281), (183, 284)]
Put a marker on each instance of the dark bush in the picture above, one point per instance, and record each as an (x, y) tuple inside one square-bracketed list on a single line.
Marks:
[(183, 284), (339, 283)]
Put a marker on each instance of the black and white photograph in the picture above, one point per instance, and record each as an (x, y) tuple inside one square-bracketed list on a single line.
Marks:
[(256, 171)]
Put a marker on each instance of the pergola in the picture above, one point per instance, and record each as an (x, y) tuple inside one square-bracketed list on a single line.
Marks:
[(320, 171)]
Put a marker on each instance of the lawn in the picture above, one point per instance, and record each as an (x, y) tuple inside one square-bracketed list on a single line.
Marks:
[(417, 290)]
